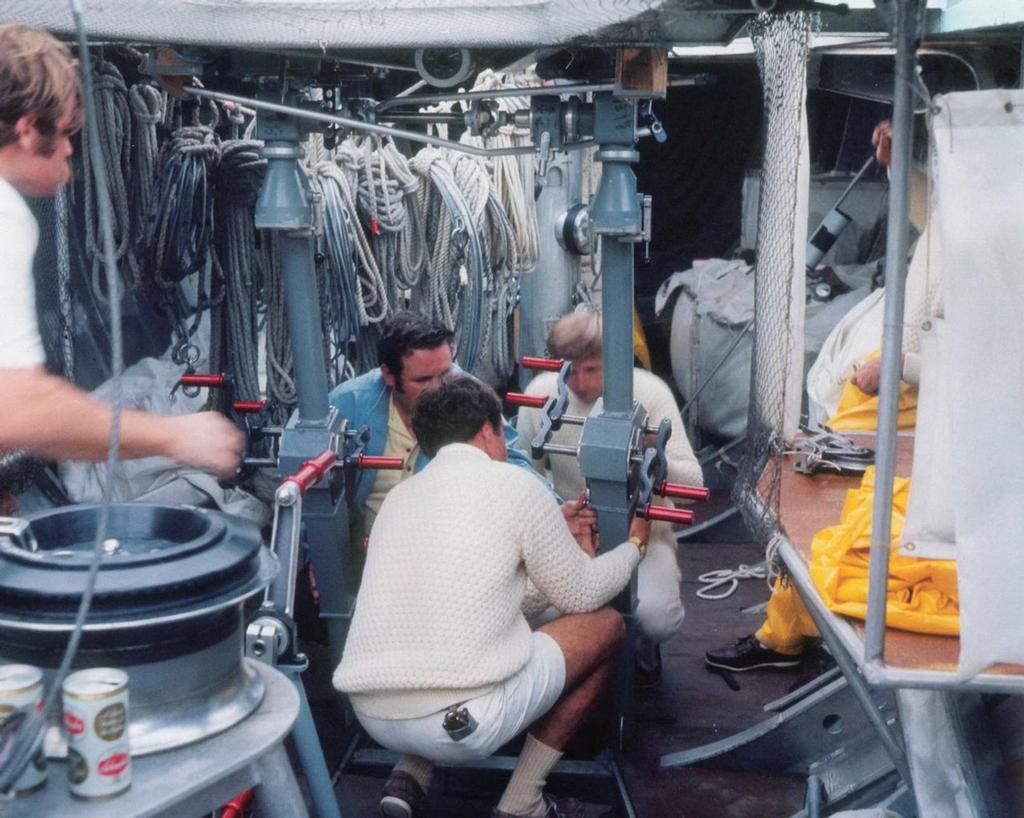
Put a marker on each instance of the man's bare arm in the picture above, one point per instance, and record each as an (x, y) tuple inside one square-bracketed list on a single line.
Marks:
[(55, 419)]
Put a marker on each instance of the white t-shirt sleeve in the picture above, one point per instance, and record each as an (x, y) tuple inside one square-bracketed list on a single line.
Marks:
[(20, 344)]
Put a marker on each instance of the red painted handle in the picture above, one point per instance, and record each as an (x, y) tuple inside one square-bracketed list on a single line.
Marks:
[(683, 516), (371, 462), (683, 492), (195, 379), (247, 406), (519, 399), (313, 471), (235, 808), (547, 364)]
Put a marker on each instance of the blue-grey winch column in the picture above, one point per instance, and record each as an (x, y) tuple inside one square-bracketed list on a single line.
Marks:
[(611, 431), (286, 205)]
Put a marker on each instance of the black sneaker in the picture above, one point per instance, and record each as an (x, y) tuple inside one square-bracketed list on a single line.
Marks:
[(748, 654), (402, 795)]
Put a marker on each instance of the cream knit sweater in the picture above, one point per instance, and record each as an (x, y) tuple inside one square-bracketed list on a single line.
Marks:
[(440, 613), (655, 396)]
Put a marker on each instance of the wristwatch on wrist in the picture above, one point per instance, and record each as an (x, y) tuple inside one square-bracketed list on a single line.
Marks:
[(641, 545)]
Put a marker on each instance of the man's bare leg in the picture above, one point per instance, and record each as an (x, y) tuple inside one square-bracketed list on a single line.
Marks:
[(588, 642)]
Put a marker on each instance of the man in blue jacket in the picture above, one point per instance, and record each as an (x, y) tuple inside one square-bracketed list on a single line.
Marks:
[(415, 354)]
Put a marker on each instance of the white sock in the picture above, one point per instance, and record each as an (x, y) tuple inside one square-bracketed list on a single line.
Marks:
[(523, 795), (421, 769)]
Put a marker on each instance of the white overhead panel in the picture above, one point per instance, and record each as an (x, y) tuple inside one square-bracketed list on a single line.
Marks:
[(352, 24), (979, 15)]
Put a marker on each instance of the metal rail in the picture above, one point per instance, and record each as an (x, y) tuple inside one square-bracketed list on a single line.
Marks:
[(908, 17), (357, 124), (530, 91)]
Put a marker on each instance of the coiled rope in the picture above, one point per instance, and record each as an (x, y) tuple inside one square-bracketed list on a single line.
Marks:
[(453, 214), (114, 125), (239, 176), (146, 103)]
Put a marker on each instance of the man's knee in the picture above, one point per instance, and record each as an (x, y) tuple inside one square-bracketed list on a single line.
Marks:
[(611, 629)]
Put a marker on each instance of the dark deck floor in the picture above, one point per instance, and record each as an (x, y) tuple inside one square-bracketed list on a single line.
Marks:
[(689, 708)]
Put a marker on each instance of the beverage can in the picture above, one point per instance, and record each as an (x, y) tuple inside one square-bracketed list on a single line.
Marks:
[(21, 691), (95, 719)]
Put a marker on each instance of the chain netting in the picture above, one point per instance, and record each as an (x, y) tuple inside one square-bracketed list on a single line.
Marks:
[(781, 44)]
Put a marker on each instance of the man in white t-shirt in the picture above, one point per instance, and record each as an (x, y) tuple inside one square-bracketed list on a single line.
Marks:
[(40, 110)]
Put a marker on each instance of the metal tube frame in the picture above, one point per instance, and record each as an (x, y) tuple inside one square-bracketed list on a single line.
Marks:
[(359, 125), (537, 90), (908, 15), (801, 578)]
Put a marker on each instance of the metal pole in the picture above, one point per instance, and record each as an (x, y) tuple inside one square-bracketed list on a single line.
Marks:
[(617, 315), (858, 685), (356, 124), (303, 308), (906, 27), (533, 91), (311, 756), (278, 793)]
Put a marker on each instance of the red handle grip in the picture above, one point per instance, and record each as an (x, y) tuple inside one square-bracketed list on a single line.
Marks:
[(547, 364), (313, 471), (371, 462), (196, 379), (682, 516), (248, 406), (519, 399), (235, 808), (683, 492)]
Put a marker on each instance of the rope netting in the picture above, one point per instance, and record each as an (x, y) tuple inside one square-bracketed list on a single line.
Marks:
[(781, 44)]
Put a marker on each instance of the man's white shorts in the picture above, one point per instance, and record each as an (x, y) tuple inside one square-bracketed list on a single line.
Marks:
[(501, 714)]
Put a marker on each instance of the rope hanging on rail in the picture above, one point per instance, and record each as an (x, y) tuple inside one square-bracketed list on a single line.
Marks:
[(114, 124)]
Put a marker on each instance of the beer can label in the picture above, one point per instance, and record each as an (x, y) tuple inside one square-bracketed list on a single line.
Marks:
[(96, 719), (21, 690)]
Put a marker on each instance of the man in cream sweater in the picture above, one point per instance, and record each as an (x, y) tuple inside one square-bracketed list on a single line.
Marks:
[(440, 662), (577, 337)]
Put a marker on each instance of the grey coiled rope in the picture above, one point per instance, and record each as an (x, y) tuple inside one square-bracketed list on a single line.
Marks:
[(114, 127)]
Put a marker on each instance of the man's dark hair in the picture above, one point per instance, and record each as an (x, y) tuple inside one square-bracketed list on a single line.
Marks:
[(406, 331), (454, 412)]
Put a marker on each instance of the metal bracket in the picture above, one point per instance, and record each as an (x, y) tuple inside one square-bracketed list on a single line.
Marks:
[(20, 531), (828, 451)]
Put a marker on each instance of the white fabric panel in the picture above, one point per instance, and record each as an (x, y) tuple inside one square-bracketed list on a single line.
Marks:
[(978, 219), (337, 23), (929, 528), (855, 336)]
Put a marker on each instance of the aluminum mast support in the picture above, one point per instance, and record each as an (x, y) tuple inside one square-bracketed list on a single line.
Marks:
[(608, 435), (908, 17)]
